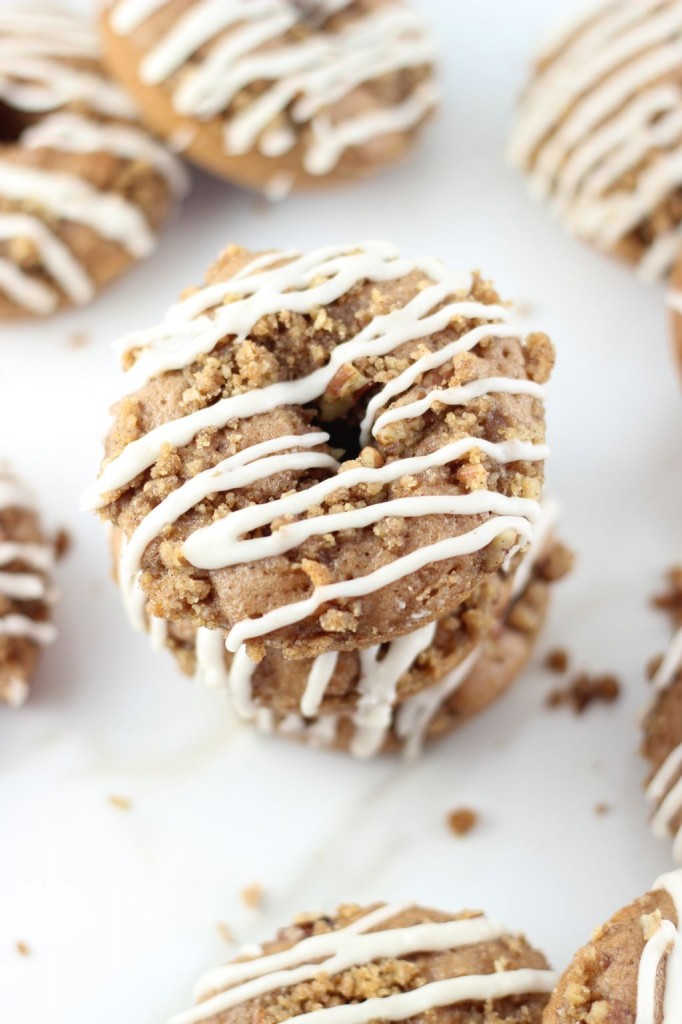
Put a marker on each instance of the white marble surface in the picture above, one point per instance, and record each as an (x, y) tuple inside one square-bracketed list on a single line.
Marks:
[(120, 908)]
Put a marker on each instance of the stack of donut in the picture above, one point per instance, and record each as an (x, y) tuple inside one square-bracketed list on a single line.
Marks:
[(325, 485)]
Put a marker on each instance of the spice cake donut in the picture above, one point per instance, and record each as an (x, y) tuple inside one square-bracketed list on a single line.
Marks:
[(26, 589), (325, 452), (278, 94), (84, 189), (383, 962), (599, 130), (662, 746), (631, 971), (391, 696)]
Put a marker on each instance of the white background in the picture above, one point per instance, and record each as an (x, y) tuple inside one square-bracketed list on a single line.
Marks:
[(120, 908)]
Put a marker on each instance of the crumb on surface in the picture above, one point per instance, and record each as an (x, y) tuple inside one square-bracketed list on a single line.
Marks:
[(62, 543), (462, 821), (22, 948), (78, 339), (225, 931), (252, 896), (557, 660), (602, 808), (670, 600), (585, 690), (121, 803)]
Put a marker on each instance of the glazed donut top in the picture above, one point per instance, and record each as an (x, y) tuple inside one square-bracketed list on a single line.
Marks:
[(265, 290), (56, 99), (374, 940), (600, 126), (26, 589), (277, 68)]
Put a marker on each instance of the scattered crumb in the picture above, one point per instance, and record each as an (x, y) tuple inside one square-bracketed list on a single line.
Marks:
[(584, 690), (225, 932), (462, 820), (671, 600), (601, 809), (252, 896), (62, 543), (557, 660), (122, 803), (78, 339), (23, 948)]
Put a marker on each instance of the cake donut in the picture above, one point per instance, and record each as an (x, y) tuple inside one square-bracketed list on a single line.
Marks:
[(26, 589), (662, 746), (631, 971), (391, 696), (324, 452), (84, 189), (278, 94), (599, 129), (380, 963)]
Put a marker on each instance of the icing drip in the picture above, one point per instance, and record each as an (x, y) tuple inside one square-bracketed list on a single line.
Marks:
[(664, 791), (249, 44), (664, 947), (27, 584), (336, 951), (269, 285), (596, 113), (36, 77)]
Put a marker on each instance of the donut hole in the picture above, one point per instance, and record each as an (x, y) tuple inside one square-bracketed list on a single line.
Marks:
[(345, 436)]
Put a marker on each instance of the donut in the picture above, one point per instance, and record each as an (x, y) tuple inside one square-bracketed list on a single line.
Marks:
[(324, 452), (280, 94), (26, 589), (393, 696), (630, 972), (662, 747), (599, 128), (84, 189), (384, 962)]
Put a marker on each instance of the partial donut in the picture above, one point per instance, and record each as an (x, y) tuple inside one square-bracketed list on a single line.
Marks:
[(395, 695), (280, 94), (630, 972), (380, 963), (662, 747), (325, 452), (599, 130), (26, 589), (84, 190)]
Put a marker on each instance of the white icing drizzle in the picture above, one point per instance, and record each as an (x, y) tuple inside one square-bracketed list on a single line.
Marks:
[(664, 945), (596, 112), (70, 198), (210, 654), (73, 133), (36, 77), (15, 691), (320, 675), (664, 791), (302, 283), (56, 258), (355, 945), (305, 78)]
